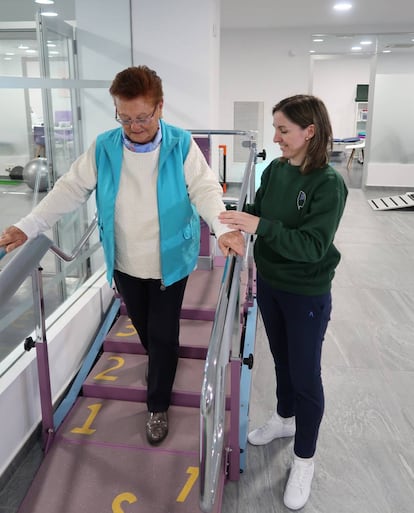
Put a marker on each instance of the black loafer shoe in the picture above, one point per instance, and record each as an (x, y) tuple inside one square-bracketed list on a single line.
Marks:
[(157, 427)]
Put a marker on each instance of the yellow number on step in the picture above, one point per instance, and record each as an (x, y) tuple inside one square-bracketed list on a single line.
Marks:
[(102, 376), (130, 333), (193, 475), (86, 428), (119, 499)]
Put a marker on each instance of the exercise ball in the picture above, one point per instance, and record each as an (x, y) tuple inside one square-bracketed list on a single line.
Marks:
[(34, 168)]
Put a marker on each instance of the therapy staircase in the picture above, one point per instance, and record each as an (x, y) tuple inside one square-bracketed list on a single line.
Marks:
[(97, 458)]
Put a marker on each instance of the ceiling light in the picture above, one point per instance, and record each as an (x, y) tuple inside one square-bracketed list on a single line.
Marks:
[(30, 51), (386, 51), (7, 58), (46, 2), (9, 53), (311, 51), (365, 42), (22, 47), (343, 6), (48, 13), (356, 48), (317, 40)]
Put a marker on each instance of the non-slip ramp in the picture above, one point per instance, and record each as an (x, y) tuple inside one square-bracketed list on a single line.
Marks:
[(393, 202), (101, 462)]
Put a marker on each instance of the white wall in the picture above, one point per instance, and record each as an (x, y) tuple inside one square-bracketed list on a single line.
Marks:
[(183, 48), (334, 81), (261, 65), (104, 48), (268, 65), (15, 140), (391, 145)]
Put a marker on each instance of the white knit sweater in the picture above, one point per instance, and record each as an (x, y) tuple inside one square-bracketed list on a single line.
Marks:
[(136, 212)]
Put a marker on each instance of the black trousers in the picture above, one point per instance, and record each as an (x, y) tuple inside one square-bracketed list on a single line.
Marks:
[(295, 326), (155, 314)]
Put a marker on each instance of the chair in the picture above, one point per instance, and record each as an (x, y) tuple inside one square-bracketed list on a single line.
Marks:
[(353, 147)]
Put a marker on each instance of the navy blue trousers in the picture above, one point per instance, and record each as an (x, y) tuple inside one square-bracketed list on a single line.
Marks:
[(295, 326), (155, 314)]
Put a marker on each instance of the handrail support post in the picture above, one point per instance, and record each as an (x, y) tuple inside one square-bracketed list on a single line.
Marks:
[(42, 360)]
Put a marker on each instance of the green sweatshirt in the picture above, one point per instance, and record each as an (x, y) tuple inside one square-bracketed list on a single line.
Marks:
[(299, 215)]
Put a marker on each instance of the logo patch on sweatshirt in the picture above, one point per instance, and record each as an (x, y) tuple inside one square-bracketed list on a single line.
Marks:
[(301, 200)]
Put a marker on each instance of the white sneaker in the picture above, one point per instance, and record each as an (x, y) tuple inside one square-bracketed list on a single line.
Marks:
[(275, 427), (298, 487)]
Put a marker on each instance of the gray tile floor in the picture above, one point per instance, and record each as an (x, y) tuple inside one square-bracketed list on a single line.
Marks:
[(365, 457)]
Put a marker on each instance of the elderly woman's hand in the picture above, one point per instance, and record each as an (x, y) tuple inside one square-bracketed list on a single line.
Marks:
[(11, 238), (231, 243)]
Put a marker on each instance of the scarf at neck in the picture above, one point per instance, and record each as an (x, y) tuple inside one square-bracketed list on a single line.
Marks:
[(142, 148)]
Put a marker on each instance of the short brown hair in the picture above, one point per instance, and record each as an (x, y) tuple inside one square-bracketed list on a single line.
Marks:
[(305, 110), (137, 81)]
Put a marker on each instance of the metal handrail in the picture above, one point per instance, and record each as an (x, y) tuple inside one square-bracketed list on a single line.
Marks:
[(212, 404), (24, 263), (27, 259), (79, 246), (21, 266)]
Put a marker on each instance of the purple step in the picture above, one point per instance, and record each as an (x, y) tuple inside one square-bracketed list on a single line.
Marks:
[(201, 294), (202, 291), (121, 376), (194, 338), (101, 462)]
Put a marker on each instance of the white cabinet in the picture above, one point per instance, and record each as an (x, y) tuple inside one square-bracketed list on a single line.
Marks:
[(361, 119)]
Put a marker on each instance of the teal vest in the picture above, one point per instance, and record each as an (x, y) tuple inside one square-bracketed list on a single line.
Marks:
[(178, 219)]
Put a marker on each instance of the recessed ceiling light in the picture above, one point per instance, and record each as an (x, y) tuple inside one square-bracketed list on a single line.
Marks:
[(342, 6), (311, 51), (8, 59), (45, 2), (22, 47), (365, 42), (356, 48), (53, 52), (317, 40), (48, 13), (9, 53), (30, 51), (386, 51)]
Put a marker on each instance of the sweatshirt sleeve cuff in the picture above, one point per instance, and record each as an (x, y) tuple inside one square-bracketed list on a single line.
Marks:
[(32, 225), (219, 228)]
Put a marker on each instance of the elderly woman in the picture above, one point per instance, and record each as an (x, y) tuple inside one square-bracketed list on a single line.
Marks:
[(152, 183)]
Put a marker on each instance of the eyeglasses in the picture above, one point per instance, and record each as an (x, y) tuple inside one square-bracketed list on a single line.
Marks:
[(138, 121)]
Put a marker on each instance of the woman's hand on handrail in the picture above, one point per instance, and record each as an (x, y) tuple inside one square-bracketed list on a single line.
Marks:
[(11, 238), (247, 223)]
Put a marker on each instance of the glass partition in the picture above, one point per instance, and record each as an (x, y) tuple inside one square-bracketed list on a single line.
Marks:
[(40, 136)]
